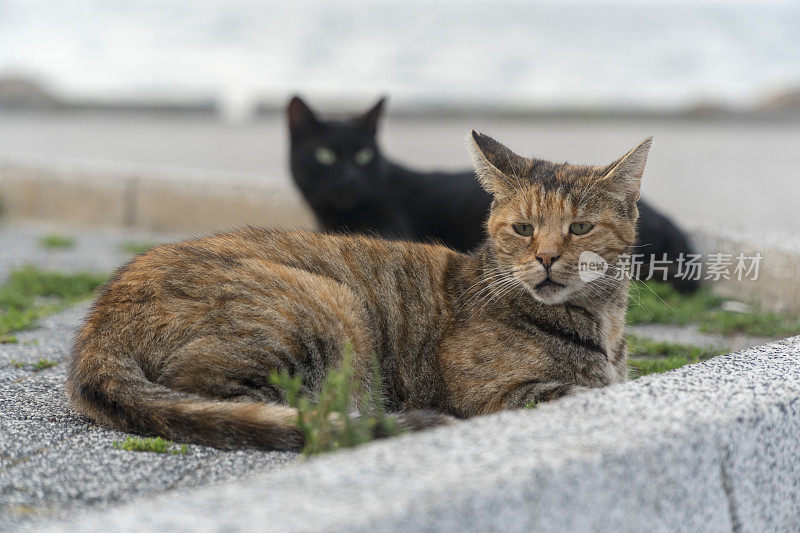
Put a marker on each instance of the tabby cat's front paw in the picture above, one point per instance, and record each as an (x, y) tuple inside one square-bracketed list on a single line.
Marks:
[(546, 392), (572, 390), (422, 419)]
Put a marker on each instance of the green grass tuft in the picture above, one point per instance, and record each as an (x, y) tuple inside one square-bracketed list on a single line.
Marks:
[(329, 424), (641, 347), (55, 241), (136, 247), (41, 364), (8, 339), (31, 293), (653, 302), (150, 444), (759, 324), (642, 366), (647, 356)]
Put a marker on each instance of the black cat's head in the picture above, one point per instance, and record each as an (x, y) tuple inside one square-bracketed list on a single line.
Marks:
[(336, 163)]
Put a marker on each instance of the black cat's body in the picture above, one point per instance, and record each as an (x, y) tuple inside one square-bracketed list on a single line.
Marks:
[(383, 198)]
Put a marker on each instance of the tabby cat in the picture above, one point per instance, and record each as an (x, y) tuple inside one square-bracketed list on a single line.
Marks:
[(342, 173), (182, 341)]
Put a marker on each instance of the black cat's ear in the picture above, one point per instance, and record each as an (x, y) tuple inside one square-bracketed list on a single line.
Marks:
[(369, 120), (625, 174), (301, 118), (499, 170)]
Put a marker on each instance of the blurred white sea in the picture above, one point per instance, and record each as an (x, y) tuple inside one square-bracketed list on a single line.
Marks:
[(645, 53)]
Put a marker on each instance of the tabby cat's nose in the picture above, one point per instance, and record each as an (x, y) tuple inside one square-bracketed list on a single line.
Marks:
[(547, 258)]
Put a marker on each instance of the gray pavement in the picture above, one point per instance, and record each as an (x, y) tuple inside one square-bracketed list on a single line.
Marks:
[(95, 250), (55, 463)]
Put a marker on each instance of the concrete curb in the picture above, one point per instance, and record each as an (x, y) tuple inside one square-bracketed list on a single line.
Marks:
[(151, 199), (708, 447), (778, 283)]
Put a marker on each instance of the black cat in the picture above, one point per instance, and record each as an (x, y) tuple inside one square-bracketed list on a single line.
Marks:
[(339, 169)]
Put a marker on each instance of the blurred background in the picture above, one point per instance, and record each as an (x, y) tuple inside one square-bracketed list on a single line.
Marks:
[(101, 99)]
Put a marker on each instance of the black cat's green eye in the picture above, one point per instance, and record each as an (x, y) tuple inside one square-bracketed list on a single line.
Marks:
[(364, 156), (526, 230), (579, 228), (325, 156)]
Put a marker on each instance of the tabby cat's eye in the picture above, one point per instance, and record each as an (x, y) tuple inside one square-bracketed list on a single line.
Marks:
[(364, 156), (579, 228), (526, 230), (325, 156)]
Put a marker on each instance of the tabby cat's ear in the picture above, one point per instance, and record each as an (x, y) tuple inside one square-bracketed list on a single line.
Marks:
[(498, 169), (369, 120), (625, 174), (301, 119)]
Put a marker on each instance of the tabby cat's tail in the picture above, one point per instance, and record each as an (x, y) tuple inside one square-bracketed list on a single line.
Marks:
[(116, 393)]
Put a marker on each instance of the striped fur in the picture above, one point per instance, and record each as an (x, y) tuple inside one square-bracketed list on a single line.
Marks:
[(182, 340)]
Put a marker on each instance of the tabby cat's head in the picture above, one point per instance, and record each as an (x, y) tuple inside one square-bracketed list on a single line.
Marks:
[(545, 215)]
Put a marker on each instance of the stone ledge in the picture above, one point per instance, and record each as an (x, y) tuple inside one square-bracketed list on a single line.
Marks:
[(712, 447), (147, 198), (778, 284)]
